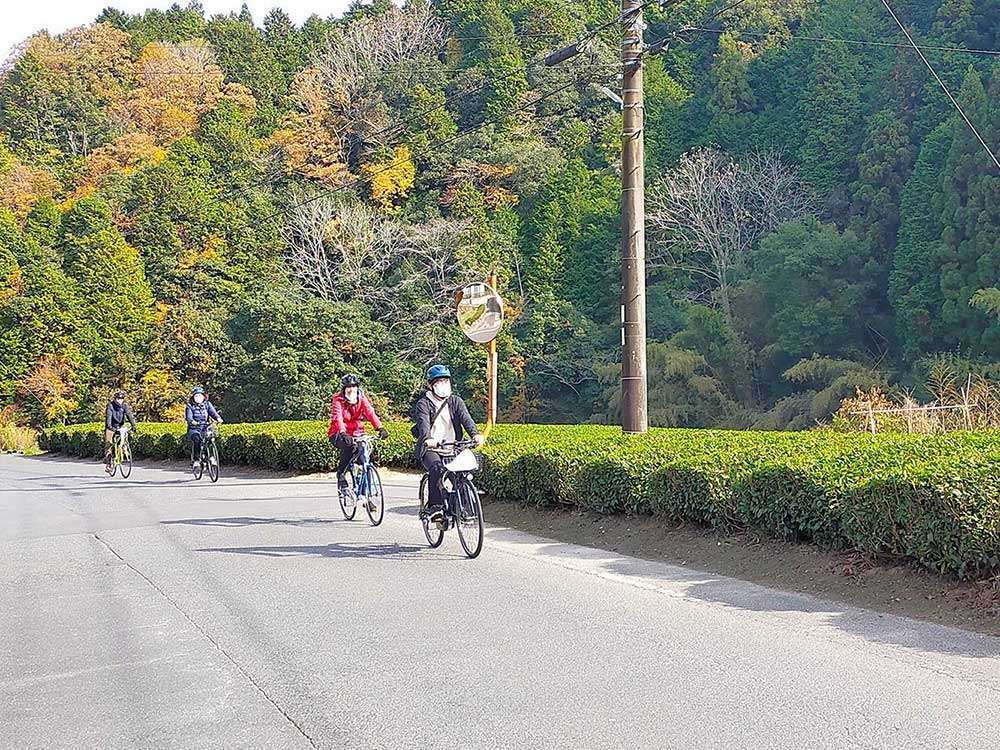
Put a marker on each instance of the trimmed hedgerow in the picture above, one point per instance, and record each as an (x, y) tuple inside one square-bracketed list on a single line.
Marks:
[(933, 499)]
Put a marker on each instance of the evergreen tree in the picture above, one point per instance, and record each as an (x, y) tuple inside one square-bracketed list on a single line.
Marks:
[(969, 257), (913, 289), (832, 108), (114, 293)]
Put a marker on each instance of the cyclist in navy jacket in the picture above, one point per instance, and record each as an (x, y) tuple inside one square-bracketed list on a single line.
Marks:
[(197, 414)]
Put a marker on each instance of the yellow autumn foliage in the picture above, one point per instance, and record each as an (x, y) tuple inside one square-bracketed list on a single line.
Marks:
[(178, 83), (21, 185), (124, 154), (309, 138), (391, 179)]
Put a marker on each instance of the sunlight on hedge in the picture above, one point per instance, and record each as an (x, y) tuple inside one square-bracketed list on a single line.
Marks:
[(934, 499)]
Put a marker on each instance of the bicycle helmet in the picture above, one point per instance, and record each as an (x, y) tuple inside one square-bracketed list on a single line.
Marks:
[(437, 372), (196, 390), (350, 381), (119, 394)]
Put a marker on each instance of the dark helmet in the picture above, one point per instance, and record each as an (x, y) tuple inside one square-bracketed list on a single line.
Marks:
[(350, 381), (437, 372), (119, 394), (196, 390)]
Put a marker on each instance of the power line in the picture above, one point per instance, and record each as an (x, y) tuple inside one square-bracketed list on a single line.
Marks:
[(398, 126), (437, 144), (941, 82), (859, 42)]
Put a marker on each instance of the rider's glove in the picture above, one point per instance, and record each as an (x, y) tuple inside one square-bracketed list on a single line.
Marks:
[(383, 433), (479, 439)]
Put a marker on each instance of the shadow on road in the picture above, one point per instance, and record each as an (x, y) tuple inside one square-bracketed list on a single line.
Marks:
[(241, 521), (336, 550), (403, 510), (749, 597)]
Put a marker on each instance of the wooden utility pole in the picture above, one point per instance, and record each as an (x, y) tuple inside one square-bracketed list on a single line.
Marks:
[(635, 418)]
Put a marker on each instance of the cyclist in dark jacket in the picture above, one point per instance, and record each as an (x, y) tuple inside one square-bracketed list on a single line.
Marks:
[(440, 417), (115, 416), (198, 412)]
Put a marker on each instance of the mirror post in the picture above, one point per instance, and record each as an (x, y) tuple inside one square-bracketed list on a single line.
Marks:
[(491, 373)]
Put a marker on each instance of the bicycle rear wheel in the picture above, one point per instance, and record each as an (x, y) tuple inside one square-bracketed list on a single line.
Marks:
[(469, 518), (434, 535), (375, 497), (213, 461), (126, 459)]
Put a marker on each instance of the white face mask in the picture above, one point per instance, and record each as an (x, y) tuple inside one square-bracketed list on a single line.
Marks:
[(351, 394), (442, 389), (199, 399)]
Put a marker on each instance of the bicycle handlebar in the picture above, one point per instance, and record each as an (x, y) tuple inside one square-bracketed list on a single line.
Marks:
[(460, 444)]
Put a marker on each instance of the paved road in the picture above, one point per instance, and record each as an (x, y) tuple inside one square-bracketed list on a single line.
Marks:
[(161, 612)]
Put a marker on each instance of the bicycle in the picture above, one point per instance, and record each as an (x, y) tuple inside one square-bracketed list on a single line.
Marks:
[(121, 452), (463, 508), (365, 483), (208, 458)]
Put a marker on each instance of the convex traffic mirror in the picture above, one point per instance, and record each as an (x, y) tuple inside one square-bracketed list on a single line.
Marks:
[(480, 312)]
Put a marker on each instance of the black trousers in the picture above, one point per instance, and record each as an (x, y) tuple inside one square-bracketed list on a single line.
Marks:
[(434, 464), (196, 435), (345, 444)]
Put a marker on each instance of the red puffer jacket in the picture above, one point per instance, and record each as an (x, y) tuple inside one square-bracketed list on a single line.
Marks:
[(350, 418)]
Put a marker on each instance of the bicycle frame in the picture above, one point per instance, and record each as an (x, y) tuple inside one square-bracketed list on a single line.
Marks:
[(455, 478), (363, 459), (118, 443), (207, 435)]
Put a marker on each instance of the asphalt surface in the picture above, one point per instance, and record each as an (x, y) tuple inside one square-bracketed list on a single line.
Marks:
[(163, 612)]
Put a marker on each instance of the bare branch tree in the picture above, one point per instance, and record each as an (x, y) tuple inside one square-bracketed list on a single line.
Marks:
[(407, 276), (359, 53), (709, 212)]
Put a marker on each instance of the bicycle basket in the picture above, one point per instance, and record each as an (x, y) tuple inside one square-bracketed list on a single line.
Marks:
[(464, 461)]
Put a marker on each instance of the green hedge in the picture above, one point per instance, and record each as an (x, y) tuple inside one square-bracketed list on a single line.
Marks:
[(934, 499)]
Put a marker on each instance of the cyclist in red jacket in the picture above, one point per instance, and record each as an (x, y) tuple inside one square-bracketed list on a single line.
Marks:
[(349, 410)]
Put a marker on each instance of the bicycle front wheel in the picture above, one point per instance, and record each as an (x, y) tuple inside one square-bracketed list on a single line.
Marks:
[(375, 505), (434, 534), (126, 460), (213, 461), (469, 519), (348, 501)]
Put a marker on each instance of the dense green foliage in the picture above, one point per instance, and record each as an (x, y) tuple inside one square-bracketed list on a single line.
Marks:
[(935, 500), (259, 206)]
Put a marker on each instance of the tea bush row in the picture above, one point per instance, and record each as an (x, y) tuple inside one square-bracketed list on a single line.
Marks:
[(933, 499)]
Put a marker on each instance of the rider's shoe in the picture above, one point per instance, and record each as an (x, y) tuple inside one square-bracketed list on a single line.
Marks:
[(194, 467), (434, 512), (342, 486), (370, 506), (107, 468)]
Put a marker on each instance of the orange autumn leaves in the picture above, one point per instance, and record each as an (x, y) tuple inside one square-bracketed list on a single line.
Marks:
[(134, 107)]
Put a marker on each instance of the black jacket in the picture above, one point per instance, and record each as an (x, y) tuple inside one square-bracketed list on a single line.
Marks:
[(115, 416), (461, 420)]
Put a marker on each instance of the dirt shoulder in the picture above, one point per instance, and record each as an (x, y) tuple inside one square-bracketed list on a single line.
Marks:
[(893, 588)]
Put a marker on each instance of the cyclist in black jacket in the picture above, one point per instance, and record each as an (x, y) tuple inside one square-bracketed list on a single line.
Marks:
[(117, 413), (439, 417)]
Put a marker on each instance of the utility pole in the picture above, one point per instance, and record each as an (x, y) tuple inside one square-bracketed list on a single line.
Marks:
[(635, 411), (635, 416)]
